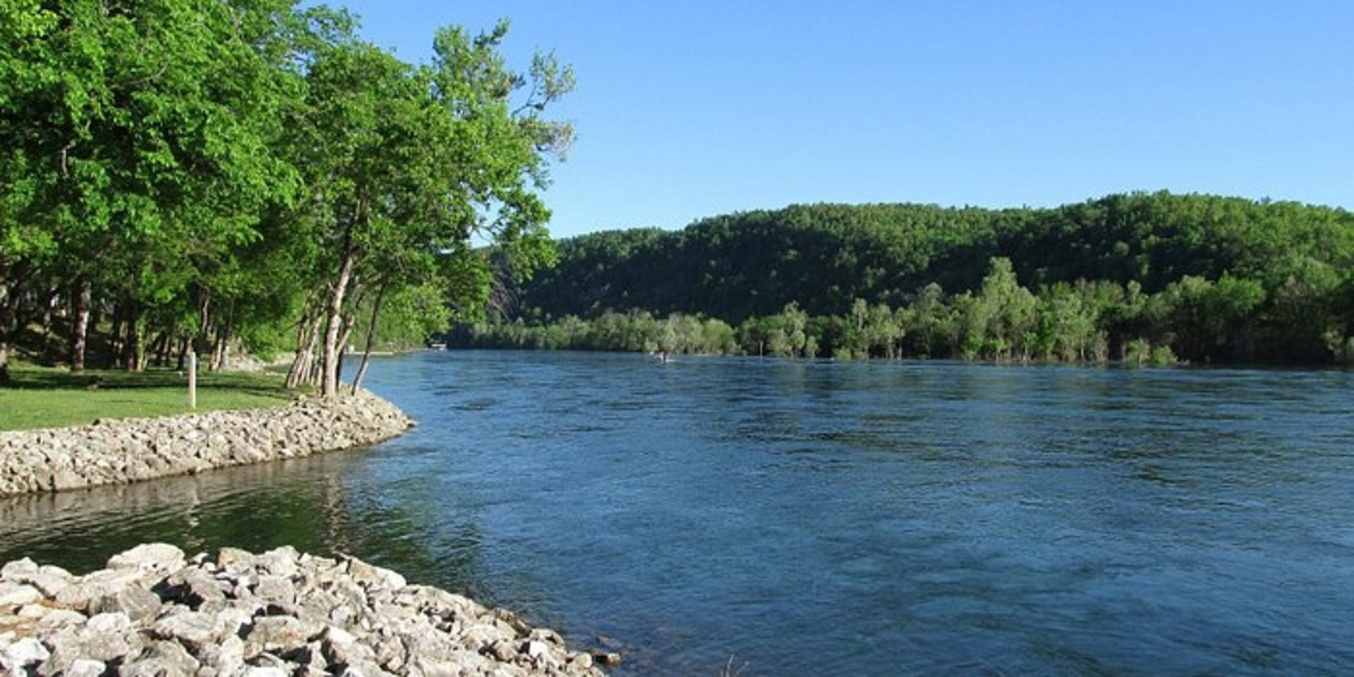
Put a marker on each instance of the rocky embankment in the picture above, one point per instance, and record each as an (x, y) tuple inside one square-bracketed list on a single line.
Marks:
[(128, 450), (279, 613)]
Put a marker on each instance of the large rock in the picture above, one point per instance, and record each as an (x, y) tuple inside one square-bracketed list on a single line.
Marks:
[(22, 654), (161, 556), (135, 602), (14, 595)]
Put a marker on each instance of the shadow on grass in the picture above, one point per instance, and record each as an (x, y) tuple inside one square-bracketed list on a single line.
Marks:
[(29, 377)]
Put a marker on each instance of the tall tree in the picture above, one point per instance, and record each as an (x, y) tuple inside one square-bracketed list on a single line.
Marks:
[(142, 140), (24, 27), (406, 167), (996, 320)]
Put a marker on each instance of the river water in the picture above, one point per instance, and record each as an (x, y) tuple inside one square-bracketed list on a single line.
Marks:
[(798, 517)]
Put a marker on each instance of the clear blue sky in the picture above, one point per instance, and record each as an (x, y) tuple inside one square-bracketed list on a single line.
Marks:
[(692, 109)]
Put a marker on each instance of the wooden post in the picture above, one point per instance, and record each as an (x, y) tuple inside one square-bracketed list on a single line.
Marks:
[(192, 379)]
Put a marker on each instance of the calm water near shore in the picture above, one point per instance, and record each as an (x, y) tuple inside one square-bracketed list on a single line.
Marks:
[(821, 517)]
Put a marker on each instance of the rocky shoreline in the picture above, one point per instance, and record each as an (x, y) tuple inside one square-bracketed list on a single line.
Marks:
[(130, 450), (153, 611)]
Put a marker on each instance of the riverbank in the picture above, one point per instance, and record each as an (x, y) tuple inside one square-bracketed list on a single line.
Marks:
[(129, 450), (153, 611)]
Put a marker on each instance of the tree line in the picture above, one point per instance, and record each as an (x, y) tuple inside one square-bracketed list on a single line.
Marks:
[(182, 176), (1140, 277)]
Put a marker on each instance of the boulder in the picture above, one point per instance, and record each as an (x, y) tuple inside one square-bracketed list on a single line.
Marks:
[(135, 602), (15, 595), (155, 556), (193, 628), (22, 654)]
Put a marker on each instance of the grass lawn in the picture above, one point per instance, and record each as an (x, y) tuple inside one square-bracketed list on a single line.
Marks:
[(41, 397)]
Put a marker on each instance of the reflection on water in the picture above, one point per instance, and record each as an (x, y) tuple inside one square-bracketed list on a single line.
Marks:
[(196, 512), (323, 505), (821, 517)]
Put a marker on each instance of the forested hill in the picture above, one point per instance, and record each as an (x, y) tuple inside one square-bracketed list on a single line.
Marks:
[(1135, 278), (824, 257)]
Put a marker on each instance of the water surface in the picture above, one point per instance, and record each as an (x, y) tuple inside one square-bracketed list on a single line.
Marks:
[(821, 517)]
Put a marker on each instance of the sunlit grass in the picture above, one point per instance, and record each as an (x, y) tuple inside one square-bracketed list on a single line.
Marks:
[(42, 397)]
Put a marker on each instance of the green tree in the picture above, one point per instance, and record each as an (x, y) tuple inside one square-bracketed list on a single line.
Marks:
[(142, 143), (1069, 324), (1127, 248), (1304, 311), (1212, 321), (407, 166), (998, 321), (854, 340), (787, 333), (717, 337), (929, 322)]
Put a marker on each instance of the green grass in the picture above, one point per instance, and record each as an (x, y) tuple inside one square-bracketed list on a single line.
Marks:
[(41, 397)]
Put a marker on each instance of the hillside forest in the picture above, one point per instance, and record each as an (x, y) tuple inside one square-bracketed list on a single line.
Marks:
[(184, 178), (1136, 278)]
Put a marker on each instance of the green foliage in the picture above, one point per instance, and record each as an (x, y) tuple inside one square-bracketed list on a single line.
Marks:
[(998, 321), (143, 154), (406, 167), (1144, 278), (409, 315), (632, 332), (188, 176)]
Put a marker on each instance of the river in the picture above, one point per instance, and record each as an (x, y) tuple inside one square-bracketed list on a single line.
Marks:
[(815, 517)]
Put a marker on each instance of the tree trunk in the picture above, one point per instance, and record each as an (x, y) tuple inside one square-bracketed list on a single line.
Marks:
[(134, 356), (80, 327), (316, 370), (205, 323), (49, 305), (5, 323), (160, 347), (223, 333), (116, 335), (307, 336), (361, 370), (185, 343), (220, 349), (344, 336), (334, 326), (371, 334), (304, 340)]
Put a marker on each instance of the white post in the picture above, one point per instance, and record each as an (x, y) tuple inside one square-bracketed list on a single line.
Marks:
[(192, 380)]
